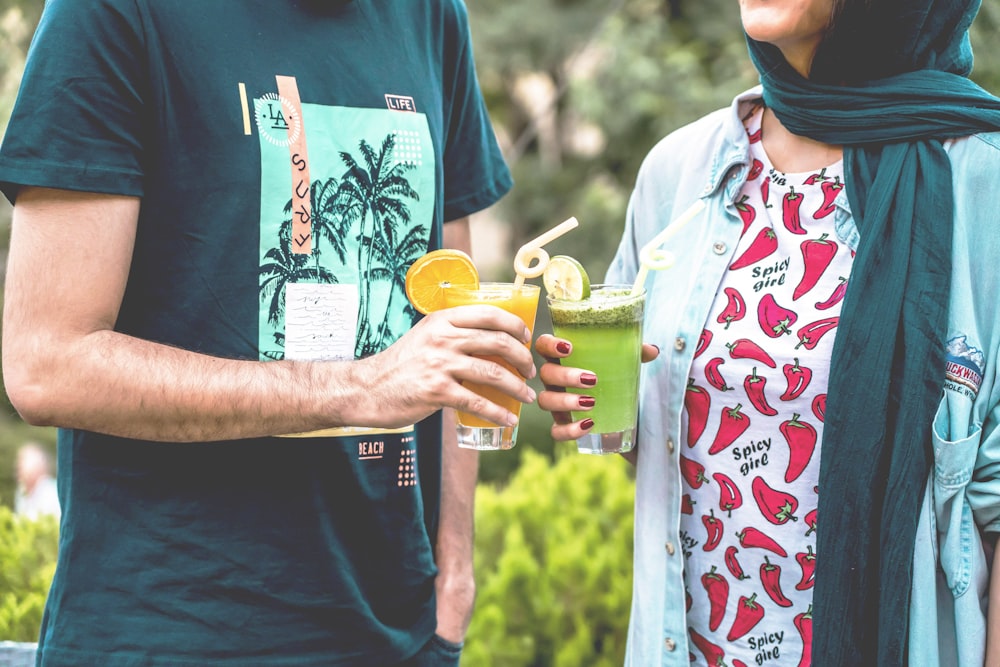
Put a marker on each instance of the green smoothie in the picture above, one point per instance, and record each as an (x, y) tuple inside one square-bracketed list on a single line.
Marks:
[(606, 333)]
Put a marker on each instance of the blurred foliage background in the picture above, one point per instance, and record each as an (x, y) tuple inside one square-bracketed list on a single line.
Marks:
[(579, 90)]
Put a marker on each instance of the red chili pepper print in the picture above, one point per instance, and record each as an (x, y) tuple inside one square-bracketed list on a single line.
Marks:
[(797, 379), (718, 597), (812, 333), (765, 191), (774, 320), (764, 244), (778, 507), (688, 600), (819, 407), (755, 135), (807, 563), (811, 522), (770, 577), (714, 375), (830, 191), (835, 297), (744, 348), (733, 564), (817, 255), (816, 178), (714, 655), (739, 663), (713, 530), (687, 505), (735, 310), (754, 386), (731, 426), (692, 472), (801, 438), (730, 497), (747, 213), (754, 538), (703, 342), (749, 613), (804, 624), (697, 403), (756, 169), (790, 215)]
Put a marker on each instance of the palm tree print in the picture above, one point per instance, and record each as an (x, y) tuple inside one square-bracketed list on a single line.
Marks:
[(395, 260), (377, 192), (283, 267), (368, 205)]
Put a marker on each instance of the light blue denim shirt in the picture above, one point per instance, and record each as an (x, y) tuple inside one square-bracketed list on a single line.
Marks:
[(709, 160)]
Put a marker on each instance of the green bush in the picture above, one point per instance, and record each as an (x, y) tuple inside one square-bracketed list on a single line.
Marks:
[(27, 563), (553, 564)]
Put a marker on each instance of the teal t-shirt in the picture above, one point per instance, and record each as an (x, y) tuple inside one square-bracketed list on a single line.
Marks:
[(293, 158)]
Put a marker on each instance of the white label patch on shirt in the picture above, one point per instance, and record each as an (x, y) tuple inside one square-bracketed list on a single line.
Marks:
[(964, 368), (321, 321)]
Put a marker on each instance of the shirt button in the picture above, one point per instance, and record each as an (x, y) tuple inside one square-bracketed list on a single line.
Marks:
[(670, 644), (719, 248), (679, 344), (670, 548), (670, 445)]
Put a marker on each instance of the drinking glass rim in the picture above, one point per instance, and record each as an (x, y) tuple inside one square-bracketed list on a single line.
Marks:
[(495, 287), (602, 289)]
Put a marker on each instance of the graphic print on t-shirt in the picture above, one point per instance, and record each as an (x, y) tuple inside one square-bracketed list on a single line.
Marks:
[(366, 212), (753, 420)]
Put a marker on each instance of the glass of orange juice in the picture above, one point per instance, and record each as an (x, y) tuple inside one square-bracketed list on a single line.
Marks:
[(521, 300)]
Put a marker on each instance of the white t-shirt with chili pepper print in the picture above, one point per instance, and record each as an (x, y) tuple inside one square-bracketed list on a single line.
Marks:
[(753, 421)]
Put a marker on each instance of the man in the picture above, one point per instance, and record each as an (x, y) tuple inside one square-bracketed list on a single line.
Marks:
[(215, 205), (36, 488)]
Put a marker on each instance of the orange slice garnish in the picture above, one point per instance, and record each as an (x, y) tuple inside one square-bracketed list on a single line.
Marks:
[(431, 274)]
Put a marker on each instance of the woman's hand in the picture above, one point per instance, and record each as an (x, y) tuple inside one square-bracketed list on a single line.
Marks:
[(557, 378)]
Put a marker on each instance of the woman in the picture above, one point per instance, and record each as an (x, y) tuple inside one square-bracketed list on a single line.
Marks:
[(847, 250)]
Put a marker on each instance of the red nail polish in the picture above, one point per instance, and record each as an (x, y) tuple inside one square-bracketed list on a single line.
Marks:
[(563, 347), (587, 424), (586, 401), (588, 379)]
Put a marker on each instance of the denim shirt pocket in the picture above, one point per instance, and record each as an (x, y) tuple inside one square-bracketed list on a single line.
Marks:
[(954, 462)]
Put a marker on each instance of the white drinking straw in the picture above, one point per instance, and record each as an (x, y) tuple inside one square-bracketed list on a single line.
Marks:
[(652, 257), (532, 251)]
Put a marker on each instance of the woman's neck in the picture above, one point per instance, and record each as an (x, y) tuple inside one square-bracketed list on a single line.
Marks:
[(792, 153)]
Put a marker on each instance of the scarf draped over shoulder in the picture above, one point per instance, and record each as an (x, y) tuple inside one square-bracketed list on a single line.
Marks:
[(889, 84)]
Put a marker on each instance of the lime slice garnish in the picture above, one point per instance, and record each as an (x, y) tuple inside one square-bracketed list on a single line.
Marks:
[(565, 278)]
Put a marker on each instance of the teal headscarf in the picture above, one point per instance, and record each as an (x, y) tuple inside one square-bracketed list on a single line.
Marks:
[(889, 84)]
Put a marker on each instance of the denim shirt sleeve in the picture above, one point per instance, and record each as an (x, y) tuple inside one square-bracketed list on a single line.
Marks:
[(975, 314)]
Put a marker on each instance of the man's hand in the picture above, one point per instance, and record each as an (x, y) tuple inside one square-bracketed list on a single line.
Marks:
[(423, 370)]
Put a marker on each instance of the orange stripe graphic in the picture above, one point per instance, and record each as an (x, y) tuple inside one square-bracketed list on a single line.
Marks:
[(288, 89)]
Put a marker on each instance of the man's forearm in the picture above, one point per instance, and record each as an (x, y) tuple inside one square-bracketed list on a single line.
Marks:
[(112, 383)]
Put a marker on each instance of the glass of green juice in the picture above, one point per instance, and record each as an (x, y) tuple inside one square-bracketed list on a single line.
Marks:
[(605, 330)]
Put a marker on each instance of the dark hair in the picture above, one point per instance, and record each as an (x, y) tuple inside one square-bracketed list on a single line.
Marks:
[(874, 39), (849, 51)]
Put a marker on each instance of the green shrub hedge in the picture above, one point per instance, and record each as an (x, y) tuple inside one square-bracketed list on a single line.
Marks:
[(27, 562), (553, 565)]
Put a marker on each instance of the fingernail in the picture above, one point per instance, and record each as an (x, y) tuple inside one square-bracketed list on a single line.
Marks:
[(587, 424), (526, 336), (588, 379), (511, 420), (532, 394), (563, 347), (586, 401), (657, 348)]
